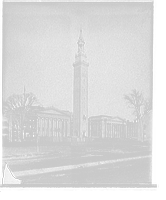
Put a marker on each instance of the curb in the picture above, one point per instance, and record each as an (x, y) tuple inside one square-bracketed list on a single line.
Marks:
[(71, 167)]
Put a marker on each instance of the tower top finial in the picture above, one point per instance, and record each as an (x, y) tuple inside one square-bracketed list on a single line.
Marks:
[(81, 37), (80, 43)]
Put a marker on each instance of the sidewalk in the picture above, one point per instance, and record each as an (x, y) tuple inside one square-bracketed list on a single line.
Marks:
[(50, 165)]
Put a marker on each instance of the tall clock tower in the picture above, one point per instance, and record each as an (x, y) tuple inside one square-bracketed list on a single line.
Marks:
[(80, 92)]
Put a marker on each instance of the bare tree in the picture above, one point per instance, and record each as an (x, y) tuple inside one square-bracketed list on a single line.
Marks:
[(135, 101), (17, 107)]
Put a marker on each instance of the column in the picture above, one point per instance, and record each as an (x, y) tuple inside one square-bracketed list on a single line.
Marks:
[(90, 128), (109, 130), (65, 127), (53, 128), (62, 127), (37, 126), (57, 124), (56, 127), (61, 124), (59, 127), (124, 132), (49, 127), (118, 131), (45, 127), (41, 126), (96, 128), (106, 133), (100, 128), (103, 129), (68, 127)]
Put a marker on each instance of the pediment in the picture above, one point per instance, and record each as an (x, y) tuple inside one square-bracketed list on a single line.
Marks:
[(52, 111), (117, 119)]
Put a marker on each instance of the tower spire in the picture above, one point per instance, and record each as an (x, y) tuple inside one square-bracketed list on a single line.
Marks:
[(80, 43)]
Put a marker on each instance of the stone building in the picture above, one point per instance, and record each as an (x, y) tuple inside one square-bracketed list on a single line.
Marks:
[(103, 126), (54, 125), (49, 124)]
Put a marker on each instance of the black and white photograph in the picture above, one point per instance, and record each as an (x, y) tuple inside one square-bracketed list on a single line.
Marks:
[(77, 94)]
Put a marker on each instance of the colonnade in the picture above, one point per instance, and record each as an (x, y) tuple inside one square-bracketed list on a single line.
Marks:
[(114, 130), (53, 127), (106, 129)]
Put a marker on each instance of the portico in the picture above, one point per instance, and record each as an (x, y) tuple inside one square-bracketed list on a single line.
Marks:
[(54, 125)]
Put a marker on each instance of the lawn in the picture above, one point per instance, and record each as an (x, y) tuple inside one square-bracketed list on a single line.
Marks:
[(118, 146), (32, 150)]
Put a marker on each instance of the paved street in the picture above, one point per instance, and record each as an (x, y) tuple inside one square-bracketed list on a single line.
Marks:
[(94, 163), (130, 172)]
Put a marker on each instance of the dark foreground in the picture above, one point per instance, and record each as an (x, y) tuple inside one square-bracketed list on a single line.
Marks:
[(130, 172)]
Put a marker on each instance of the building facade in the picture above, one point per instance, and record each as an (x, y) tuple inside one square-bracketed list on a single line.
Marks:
[(48, 124), (53, 125), (132, 130), (103, 126), (147, 126), (80, 93)]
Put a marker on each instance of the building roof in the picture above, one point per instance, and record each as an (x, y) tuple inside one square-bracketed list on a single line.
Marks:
[(54, 111), (107, 117)]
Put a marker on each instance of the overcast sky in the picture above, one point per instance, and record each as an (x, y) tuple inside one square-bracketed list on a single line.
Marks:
[(40, 43)]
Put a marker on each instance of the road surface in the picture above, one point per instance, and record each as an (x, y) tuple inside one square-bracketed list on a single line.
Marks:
[(126, 172)]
